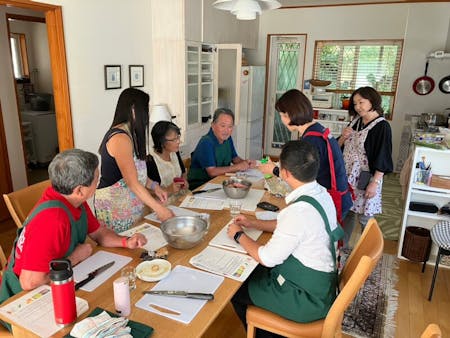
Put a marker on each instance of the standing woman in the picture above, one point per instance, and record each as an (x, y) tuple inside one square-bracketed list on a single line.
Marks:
[(121, 195), (367, 145), (165, 163)]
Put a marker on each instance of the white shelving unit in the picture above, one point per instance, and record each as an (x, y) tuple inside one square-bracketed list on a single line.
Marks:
[(440, 165), (199, 83), (334, 119)]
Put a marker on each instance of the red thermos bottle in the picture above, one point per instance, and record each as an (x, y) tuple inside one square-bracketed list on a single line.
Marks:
[(63, 291)]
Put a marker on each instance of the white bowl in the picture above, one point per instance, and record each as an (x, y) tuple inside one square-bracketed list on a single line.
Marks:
[(154, 270)]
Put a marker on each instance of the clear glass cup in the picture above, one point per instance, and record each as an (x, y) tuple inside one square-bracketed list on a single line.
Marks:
[(235, 207), (130, 273)]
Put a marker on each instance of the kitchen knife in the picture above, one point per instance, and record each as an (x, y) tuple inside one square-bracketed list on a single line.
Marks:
[(93, 274), (208, 190), (183, 294)]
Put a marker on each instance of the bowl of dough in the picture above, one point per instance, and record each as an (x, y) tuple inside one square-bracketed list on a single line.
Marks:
[(184, 232)]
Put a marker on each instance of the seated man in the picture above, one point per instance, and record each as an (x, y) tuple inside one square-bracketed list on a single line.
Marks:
[(58, 225), (297, 278), (215, 152)]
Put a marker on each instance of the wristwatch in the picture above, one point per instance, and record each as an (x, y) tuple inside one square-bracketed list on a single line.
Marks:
[(238, 235)]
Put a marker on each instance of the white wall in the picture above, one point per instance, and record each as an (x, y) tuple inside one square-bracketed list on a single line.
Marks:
[(424, 28), (97, 33)]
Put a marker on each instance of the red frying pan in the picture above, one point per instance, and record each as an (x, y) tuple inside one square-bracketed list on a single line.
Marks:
[(423, 85)]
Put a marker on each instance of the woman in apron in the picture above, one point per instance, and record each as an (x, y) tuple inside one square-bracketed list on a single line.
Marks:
[(122, 193), (367, 145)]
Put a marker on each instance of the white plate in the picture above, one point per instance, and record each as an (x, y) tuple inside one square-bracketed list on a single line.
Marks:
[(154, 270)]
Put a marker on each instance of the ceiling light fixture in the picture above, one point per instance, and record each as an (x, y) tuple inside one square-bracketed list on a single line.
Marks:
[(246, 9)]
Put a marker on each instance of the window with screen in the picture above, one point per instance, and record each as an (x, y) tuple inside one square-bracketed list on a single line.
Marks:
[(353, 64)]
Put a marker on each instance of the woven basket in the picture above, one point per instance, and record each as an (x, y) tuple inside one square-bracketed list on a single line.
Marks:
[(416, 244)]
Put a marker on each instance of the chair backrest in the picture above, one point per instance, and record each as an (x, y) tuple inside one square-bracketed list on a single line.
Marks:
[(371, 243), (358, 267), (432, 331), (21, 202), (2, 260)]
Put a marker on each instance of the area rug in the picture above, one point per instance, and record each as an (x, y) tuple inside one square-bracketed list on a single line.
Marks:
[(391, 218), (371, 315)]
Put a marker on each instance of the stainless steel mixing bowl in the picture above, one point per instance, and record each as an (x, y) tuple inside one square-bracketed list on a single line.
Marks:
[(184, 232), (236, 187)]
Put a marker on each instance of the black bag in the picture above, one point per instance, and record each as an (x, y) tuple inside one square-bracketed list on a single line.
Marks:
[(364, 180)]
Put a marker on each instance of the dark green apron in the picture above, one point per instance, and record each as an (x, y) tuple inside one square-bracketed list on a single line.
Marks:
[(10, 282), (222, 155), (306, 294)]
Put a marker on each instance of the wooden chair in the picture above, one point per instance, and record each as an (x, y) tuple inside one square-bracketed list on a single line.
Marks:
[(21, 202), (432, 331), (358, 267), (3, 331)]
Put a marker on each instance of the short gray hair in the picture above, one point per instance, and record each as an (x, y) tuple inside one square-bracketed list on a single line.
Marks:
[(220, 111), (72, 168)]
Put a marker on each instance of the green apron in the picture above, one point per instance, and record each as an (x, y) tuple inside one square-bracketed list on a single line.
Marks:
[(10, 282), (222, 155), (306, 294)]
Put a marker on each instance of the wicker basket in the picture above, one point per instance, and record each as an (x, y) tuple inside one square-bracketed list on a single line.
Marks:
[(416, 244)]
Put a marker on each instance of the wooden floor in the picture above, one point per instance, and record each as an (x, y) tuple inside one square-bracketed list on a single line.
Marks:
[(414, 313)]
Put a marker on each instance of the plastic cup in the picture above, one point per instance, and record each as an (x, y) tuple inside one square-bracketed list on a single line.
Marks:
[(130, 273)]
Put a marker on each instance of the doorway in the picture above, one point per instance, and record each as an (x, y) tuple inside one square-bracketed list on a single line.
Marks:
[(55, 35), (286, 62), (34, 93)]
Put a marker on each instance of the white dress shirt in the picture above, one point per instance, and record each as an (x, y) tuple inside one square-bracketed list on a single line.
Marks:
[(301, 231)]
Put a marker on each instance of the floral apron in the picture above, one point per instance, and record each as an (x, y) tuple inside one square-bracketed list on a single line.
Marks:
[(293, 290), (355, 159), (78, 232), (116, 206)]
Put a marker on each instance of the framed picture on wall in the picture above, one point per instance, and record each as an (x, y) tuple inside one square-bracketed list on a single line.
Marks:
[(113, 74), (136, 75)]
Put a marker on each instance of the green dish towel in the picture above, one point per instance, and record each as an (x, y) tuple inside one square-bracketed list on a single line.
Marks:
[(138, 330)]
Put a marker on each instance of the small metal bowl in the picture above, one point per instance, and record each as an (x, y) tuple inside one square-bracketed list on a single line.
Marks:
[(184, 232), (236, 187)]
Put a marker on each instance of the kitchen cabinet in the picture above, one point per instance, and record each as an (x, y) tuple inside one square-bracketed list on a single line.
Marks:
[(334, 119), (419, 192)]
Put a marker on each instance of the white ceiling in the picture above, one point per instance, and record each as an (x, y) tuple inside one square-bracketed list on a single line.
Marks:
[(318, 3)]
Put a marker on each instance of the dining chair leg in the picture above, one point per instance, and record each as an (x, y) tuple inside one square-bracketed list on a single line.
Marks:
[(436, 268)]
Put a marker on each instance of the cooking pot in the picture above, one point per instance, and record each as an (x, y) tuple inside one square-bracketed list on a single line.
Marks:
[(423, 85), (444, 85)]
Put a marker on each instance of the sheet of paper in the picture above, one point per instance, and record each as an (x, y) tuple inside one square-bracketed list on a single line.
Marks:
[(252, 175), (248, 203), (155, 238), (192, 201), (222, 240), (226, 263), (95, 261), (176, 210), (34, 311), (181, 278)]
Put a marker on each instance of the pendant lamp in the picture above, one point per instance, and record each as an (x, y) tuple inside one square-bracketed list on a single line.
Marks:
[(246, 9)]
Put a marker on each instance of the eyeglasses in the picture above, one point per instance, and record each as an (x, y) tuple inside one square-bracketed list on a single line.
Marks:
[(176, 139)]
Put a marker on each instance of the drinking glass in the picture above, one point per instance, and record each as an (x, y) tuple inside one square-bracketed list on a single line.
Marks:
[(130, 273), (235, 207)]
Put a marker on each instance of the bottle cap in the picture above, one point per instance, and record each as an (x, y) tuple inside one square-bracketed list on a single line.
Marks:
[(60, 270)]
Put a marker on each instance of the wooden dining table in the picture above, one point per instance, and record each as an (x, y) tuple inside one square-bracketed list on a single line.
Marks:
[(164, 327)]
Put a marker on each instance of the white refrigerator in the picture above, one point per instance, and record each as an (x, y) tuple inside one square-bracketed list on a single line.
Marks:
[(248, 136)]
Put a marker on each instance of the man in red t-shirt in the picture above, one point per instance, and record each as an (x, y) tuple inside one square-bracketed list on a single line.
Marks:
[(59, 223)]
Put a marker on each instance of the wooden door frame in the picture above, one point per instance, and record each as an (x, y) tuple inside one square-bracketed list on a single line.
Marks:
[(57, 51)]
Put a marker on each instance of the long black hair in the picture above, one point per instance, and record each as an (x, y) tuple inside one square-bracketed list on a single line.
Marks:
[(134, 100)]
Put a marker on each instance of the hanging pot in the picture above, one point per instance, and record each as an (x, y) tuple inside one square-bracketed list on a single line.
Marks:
[(423, 85), (444, 85)]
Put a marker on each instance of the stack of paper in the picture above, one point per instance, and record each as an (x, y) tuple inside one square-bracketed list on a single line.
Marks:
[(155, 238), (222, 240), (34, 311)]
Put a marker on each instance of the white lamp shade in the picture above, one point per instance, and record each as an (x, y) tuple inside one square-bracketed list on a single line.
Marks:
[(246, 9), (160, 113)]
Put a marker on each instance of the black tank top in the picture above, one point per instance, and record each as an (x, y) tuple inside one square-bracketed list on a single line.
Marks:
[(110, 172)]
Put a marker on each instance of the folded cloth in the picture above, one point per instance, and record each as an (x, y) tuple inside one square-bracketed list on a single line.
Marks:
[(113, 327)]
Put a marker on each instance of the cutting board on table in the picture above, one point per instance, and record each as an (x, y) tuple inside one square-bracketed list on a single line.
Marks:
[(181, 278)]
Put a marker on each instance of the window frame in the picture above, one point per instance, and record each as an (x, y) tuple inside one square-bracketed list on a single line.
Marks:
[(23, 54), (319, 44)]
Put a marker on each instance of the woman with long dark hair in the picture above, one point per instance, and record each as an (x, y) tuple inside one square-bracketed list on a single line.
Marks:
[(121, 195)]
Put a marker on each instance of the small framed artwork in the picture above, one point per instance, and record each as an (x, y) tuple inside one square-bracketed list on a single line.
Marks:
[(113, 74), (136, 75)]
